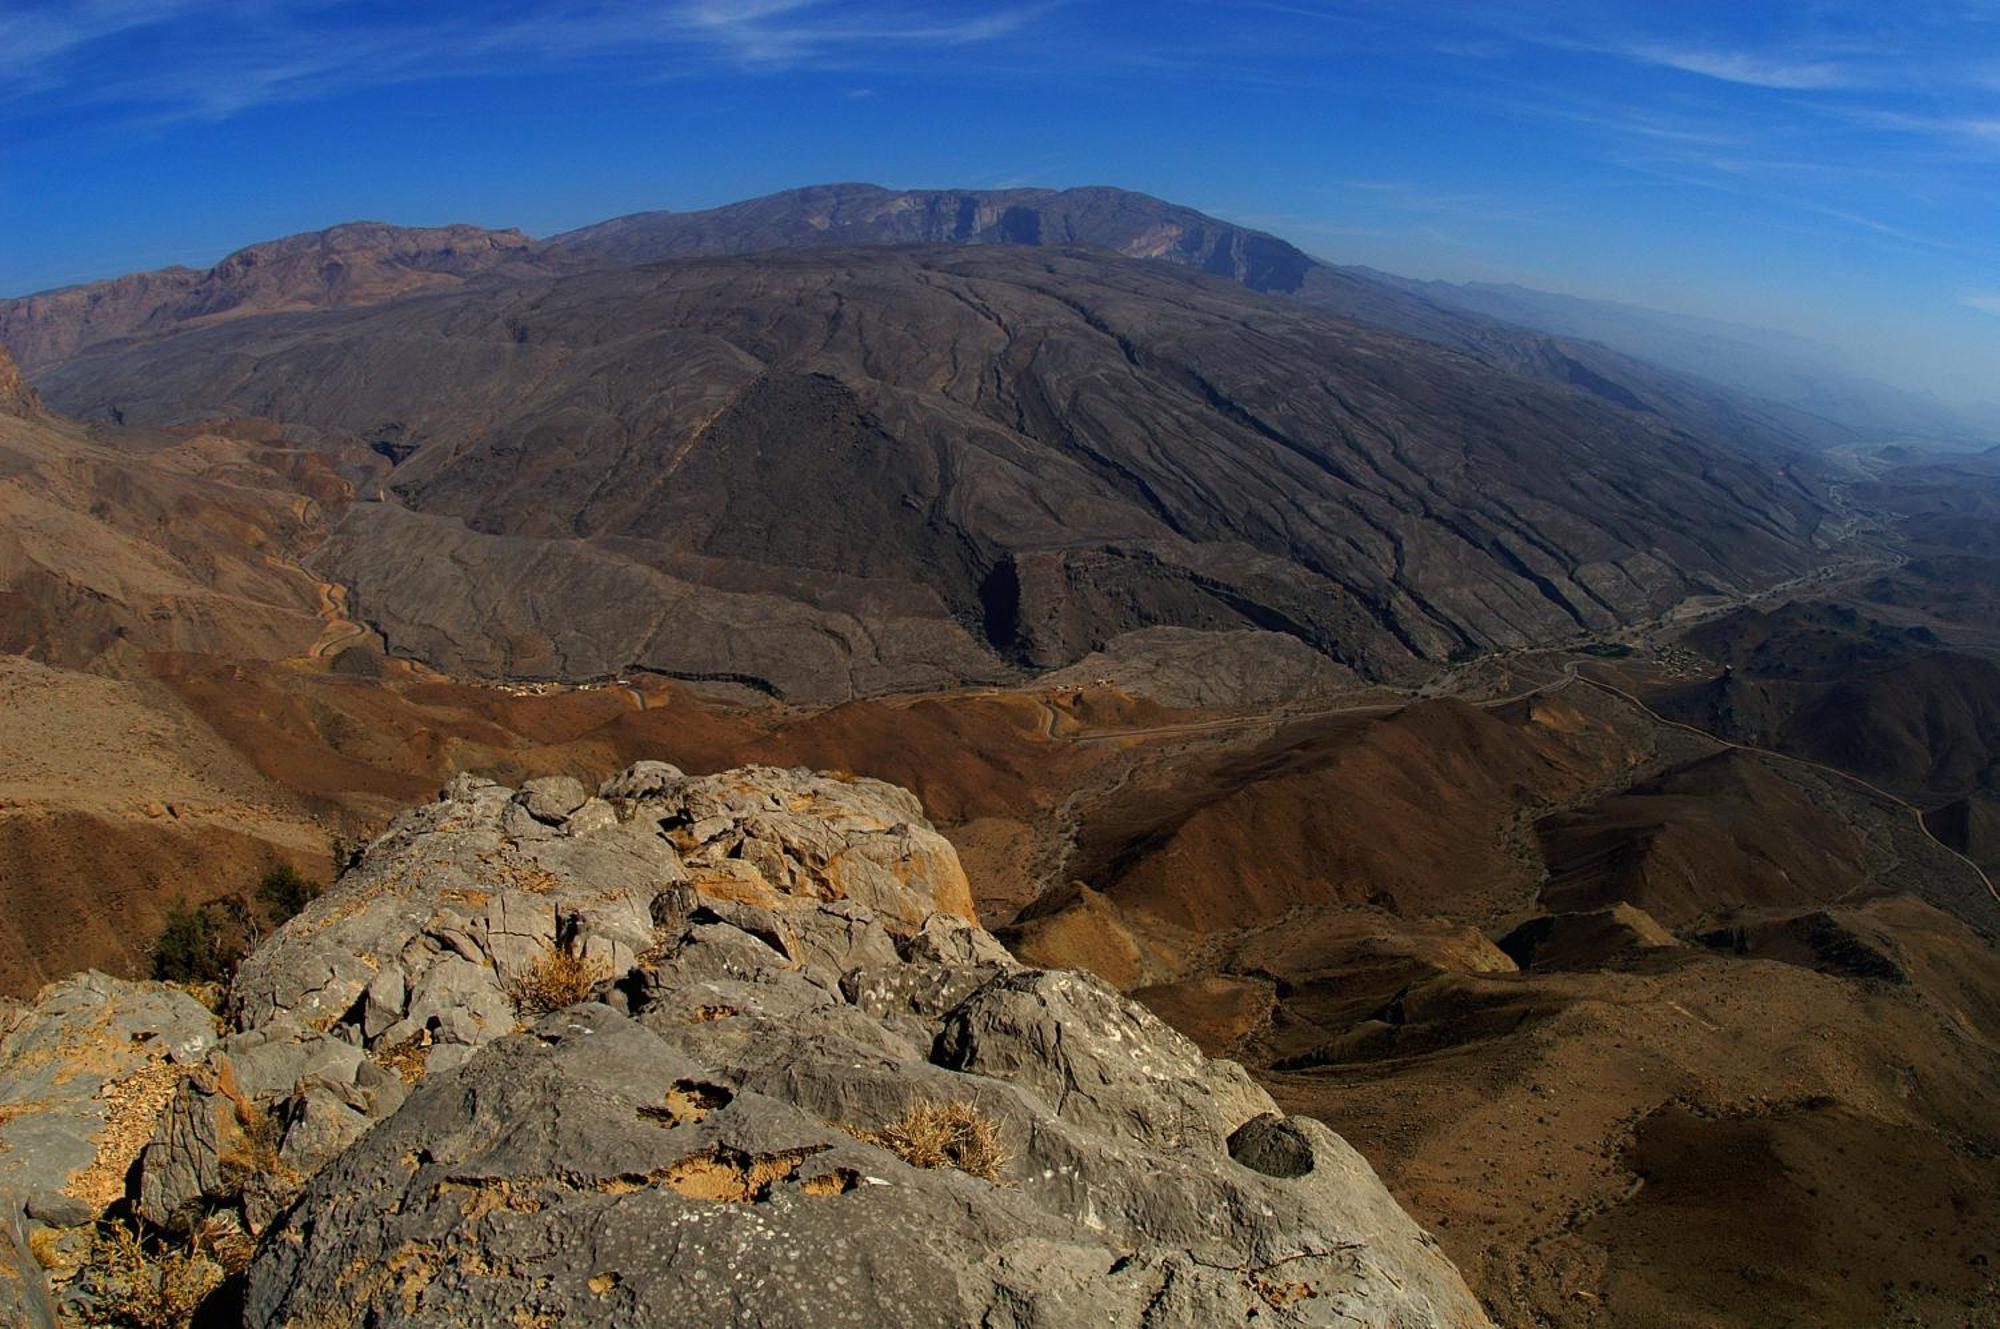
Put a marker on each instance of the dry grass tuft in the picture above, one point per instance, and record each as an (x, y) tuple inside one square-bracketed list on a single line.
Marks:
[(222, 1239), (954, 1134), (556, 980), (409, 1059), (138, 1290), (252, 1158), (211, 995)]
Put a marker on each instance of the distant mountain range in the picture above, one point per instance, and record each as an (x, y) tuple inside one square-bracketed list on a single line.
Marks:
[(356, 264), (825, 467), (1788, 371), (1745, 386)]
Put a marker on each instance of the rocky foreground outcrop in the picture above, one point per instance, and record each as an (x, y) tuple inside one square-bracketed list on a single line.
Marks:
[(674, 1053), (84, 1076)]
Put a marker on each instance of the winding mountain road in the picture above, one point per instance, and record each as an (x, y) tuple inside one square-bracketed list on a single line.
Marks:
[(1821, 767), (339, 631)]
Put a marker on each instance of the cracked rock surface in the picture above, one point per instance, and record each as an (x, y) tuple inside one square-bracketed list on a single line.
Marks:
[(653, 1059), (84, 1072)]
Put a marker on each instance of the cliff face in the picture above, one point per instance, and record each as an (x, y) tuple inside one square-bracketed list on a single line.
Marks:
[(716, 1050), (16, 397), (357, 263), (52, 325)]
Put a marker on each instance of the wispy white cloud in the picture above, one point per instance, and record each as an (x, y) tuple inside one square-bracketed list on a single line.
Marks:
[(1987, 304), (32, 37), (220, 57), (1750, 68), (1973, 126), (1404, 194), (786, 32), (1986, 129), (1619, 119), (1763, 192)]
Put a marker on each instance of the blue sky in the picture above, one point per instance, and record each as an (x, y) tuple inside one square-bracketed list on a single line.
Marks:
[(1828, 167)]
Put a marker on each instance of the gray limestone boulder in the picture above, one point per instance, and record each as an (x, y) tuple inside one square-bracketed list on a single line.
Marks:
[(695, 1051), (779, 838), (433, 945), (642, 779), (592, 1171), (552, 798), (781, 985), (86, 1070), (1131, 1075)]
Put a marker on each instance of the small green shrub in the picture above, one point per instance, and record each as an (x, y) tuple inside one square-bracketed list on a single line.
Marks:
[(285, 891), (194, 947)]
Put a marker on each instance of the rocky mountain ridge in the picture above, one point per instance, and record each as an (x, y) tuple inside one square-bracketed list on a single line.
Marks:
[(357, 263), (986, 460), (770, 975), (366, 262), (1129, 224), (1135, 225)]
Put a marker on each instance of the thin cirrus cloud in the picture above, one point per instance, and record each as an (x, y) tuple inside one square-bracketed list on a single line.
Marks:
[(1409, 198), (1798, 66), (33, 38), (1752, 70), (1986, 304), (788, 31), (210, 59)]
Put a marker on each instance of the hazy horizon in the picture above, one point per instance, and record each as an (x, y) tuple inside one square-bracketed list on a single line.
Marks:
[(1821, 169)]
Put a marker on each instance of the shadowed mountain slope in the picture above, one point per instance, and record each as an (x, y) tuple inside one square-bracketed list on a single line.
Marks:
[(1824, 682), (366, 263), (906, 467), (1138, 226), (1718, 833)]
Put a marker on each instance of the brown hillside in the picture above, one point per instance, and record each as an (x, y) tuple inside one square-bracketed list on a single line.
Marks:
[(1723, 832), (1416, 812)]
